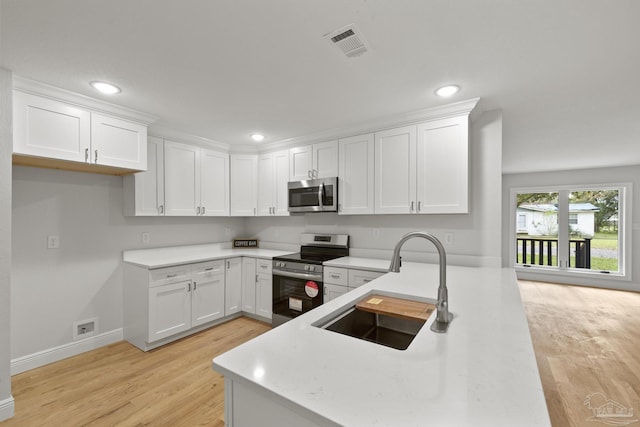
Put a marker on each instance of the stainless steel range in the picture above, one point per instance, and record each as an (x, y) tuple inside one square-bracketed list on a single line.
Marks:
[(297, 278)]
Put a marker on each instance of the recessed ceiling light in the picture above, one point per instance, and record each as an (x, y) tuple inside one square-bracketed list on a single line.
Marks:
[(106, 88), (257, 137), (446, 91)]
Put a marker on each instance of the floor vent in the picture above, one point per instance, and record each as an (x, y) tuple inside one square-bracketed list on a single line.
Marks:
[(349, 39)]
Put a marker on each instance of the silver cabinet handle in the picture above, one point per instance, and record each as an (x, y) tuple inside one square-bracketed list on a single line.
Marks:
[(171, 276), (96, 160), (309, 174), (412, 203), (264, 266), (208, 269), (189, 287), (194, 285), (335, 276), (204, 209), (198, 210), (86, 154), (228, 265), (161, 208), (366, 280), (254, 211), (418, 205)]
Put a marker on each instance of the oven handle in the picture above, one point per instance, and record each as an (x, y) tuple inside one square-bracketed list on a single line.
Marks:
[(305, 276), (320, 195)]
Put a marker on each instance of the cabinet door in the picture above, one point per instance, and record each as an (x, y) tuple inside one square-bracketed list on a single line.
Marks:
[(182, 179), (207, 299), (47, 128), (169, 310), (395, 171), (325, 159), (244, 185), (300, 163), (118, 143), (264, 295), (148, 186), (233, 286), (356, 161), (333, 291), (443, 165), (249, 285), (280, 188), (214, 183), (266, 190)]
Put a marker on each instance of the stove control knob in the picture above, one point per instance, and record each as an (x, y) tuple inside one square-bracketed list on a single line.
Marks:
[(307, 267), (312, 268), (281, 264)]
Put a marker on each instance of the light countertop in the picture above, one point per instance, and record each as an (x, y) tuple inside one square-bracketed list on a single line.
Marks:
[(482, 372), (166, 257), (381, 265)]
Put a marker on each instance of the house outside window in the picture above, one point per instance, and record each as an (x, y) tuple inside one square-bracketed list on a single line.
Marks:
[(572, 230)]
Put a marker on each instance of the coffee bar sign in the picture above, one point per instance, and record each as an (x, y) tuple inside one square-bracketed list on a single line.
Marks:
[(245, 243)]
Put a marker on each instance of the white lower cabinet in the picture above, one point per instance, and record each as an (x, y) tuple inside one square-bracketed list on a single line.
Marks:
[(233, 286), (249, 285), (338, 281), (264, 288), (207, 296), (165, 304), (169, 310)]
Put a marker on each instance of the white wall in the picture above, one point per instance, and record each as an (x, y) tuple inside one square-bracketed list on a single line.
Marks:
[(476, 235), (579, 177), (6, 147), (50, 288)]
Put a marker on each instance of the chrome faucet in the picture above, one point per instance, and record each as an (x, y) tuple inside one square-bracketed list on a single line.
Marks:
[(443, 317)]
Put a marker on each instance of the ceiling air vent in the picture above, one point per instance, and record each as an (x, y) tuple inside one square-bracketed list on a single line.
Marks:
[(349, 39)]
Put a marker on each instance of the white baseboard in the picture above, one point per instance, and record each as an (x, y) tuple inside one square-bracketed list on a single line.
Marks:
[(6, 408), (41, 358)]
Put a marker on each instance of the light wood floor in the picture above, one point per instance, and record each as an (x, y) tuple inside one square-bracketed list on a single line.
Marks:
[(586, 341)]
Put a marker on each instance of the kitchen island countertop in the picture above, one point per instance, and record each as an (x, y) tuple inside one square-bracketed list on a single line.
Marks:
[(482, 372)]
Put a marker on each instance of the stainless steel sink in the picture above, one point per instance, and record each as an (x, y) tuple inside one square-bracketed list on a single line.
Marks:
[(390, 331)]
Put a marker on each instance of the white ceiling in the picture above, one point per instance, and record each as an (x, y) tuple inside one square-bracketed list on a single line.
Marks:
[(564, 73)]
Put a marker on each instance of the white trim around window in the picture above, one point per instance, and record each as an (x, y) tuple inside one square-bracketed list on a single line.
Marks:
[(624, 233)]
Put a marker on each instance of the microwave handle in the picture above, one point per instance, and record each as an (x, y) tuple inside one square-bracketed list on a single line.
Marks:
[(320, 194)]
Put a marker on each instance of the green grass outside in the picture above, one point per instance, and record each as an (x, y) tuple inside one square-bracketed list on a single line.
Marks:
[(607, 264)]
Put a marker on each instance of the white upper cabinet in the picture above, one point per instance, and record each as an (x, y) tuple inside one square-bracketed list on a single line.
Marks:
[(47, 128), (273, 172), (118, 143), (214, 183), (356, 175), (182, 179), (443, 166), (244, 184), (144, 191), (395, 170), (196, 181), (424, 168), (52, 129), (314, 161)]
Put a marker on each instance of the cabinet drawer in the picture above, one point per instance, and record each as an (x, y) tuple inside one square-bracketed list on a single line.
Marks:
[(203, 270), (336, 276), (164, 276), (263, 266), (360, 277)]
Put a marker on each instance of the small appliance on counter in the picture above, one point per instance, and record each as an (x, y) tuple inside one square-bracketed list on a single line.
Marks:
[(313, 195), (297, 278)]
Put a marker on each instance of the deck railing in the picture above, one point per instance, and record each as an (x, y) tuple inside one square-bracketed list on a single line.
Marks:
[(541, 251)]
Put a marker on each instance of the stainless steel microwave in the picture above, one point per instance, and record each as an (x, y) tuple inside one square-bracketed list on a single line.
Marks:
[(313, 195)]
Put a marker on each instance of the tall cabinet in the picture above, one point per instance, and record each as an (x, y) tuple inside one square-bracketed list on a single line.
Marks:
[(273, 176), (356, 175), (144, 191), (244, 184)]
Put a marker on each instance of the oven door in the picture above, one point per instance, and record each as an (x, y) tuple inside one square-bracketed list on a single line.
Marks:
[(295, 294), (313, 195)]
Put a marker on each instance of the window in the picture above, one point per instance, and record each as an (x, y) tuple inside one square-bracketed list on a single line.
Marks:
[(571, 230)]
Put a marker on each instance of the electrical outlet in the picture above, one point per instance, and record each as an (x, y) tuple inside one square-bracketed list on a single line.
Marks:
[(448, 238), (145, 238), (53, 242), (85, 328)]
